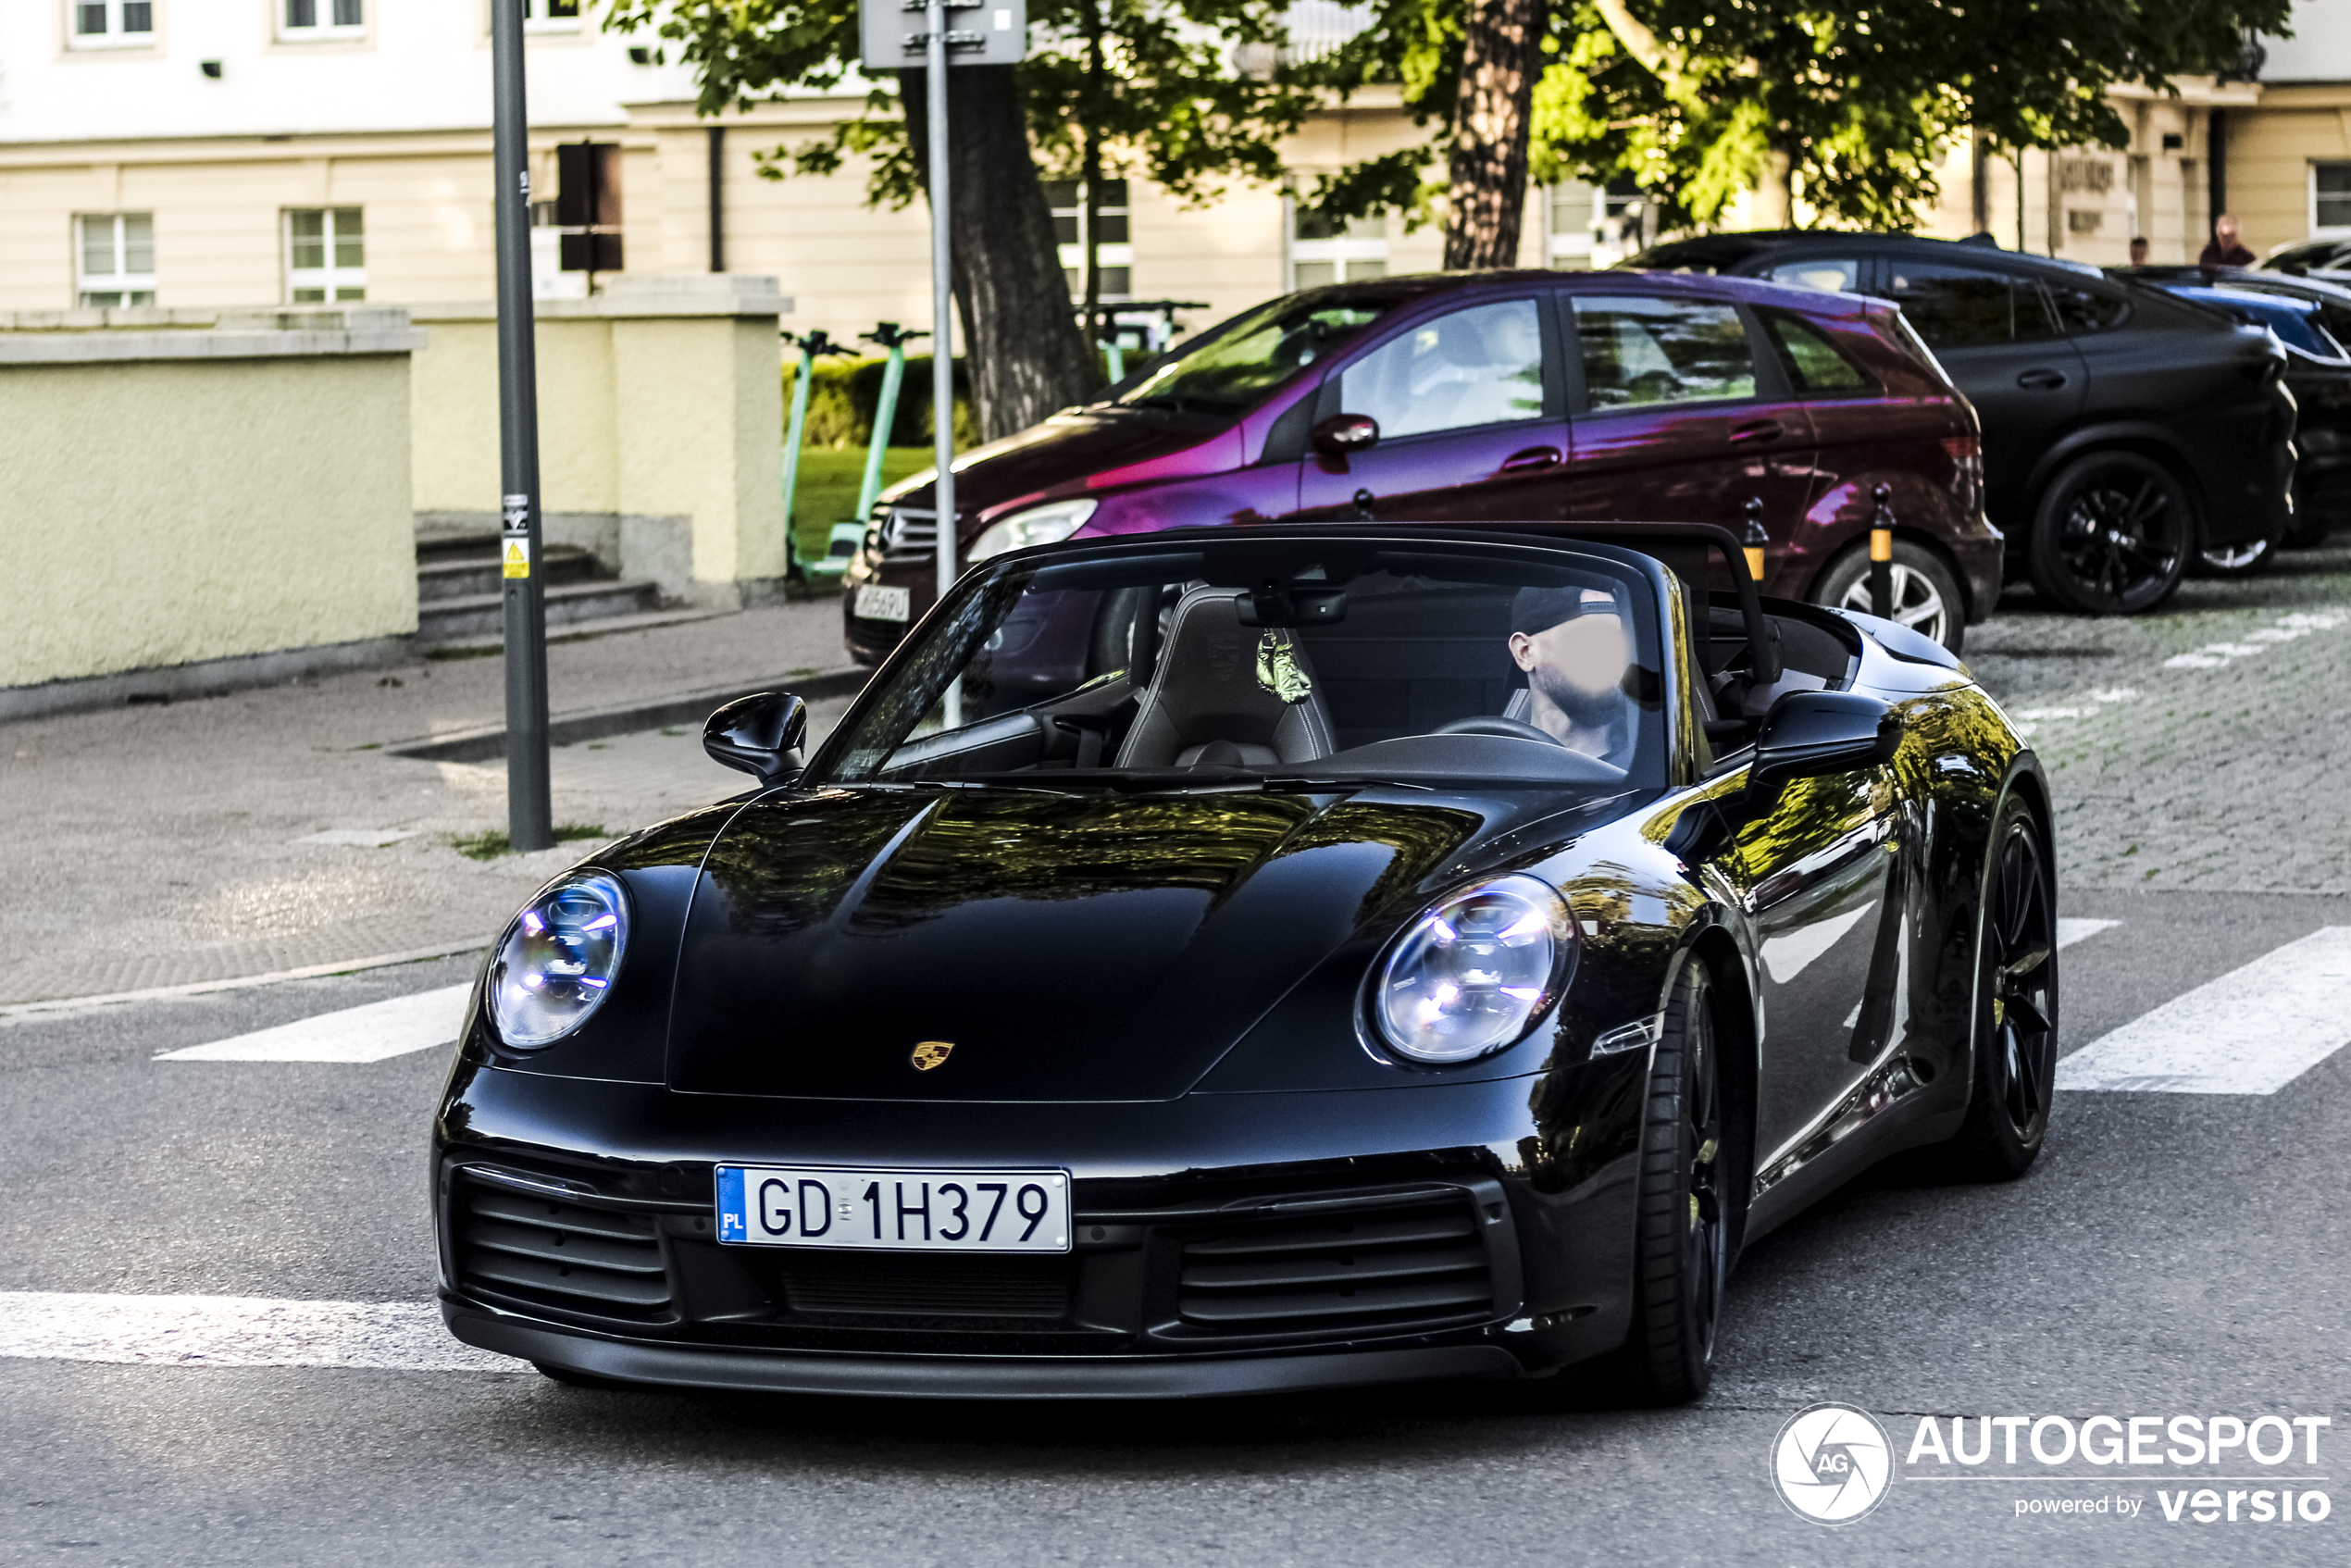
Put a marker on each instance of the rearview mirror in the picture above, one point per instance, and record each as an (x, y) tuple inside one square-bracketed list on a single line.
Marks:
[(757, 733), (1343, 433), (1808, 734)]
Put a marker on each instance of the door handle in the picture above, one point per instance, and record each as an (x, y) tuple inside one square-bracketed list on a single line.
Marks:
[(1533, 457), (2040, 379), (1759, 430)]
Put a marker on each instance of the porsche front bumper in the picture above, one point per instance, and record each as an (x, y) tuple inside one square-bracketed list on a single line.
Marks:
[(1198, 1273)]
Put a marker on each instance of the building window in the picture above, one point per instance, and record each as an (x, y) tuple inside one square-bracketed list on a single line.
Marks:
[(551, 16), (115, 257), (1323, 251), (1575, 210), (2331, 198), (113, 24), (1114, 249), (322, 19), (325, 256)]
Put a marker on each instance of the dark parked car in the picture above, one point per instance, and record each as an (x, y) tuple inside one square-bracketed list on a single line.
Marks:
[(1401, 952), (1467, 397), (2312, 318), (2124, 430), (2317, 258)]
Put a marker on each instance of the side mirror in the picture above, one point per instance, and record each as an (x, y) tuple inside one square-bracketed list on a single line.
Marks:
[(1808, 734), (1343, 433), (757, 733)]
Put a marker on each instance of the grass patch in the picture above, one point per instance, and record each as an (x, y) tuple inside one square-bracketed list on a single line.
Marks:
[(826, 492), (491, 844)]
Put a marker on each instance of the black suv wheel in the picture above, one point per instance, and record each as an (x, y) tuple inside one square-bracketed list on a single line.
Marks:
[(2111, 535)]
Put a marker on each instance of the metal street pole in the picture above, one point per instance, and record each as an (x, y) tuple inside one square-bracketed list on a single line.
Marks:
[(943, 323), (529, 811)]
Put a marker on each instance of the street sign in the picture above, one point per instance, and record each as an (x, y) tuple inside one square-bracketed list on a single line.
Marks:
[(894, 35)]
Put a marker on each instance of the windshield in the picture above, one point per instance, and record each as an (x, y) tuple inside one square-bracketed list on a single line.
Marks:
[(1254, 663), (1227, 371)]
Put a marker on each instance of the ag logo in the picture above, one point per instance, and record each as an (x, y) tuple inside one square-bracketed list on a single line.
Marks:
[(1832, 1463), (930, 1053)]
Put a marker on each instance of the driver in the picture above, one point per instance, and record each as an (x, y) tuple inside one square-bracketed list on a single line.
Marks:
[(1572, 643)]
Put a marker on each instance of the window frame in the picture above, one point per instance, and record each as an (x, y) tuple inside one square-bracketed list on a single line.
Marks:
[(1111, 256), (114, 37), (2329, 230), (1328, 398), (338, 284), (1771, 384), (533, 22), (121, 281), (1340, 251), (323, 30)]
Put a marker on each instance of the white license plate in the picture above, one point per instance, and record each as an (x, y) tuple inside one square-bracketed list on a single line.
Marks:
[(878, 602), (895, 1210)]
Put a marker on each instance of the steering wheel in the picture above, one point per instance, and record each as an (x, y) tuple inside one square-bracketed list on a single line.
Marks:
[(1495, 723)]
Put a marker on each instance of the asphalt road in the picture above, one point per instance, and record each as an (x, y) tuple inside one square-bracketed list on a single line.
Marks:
[(2172, 1254)]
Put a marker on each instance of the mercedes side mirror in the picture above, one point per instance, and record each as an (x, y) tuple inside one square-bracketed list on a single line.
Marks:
[(1343, 433), (1808, 734), (757, 734)]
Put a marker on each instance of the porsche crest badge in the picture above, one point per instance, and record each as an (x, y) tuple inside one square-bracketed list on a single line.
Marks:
[(930, 1053)]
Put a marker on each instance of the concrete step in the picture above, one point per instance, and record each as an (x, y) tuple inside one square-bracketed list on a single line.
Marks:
[(461, 575), (483, 614), (578, 631)]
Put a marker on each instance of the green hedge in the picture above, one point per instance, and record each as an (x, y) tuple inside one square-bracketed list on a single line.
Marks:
[(842, 396)]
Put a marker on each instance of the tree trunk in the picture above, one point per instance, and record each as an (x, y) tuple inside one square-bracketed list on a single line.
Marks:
[(1025, 353), (1500, 58)]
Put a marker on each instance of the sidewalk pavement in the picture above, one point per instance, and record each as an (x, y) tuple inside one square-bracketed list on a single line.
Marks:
[(157, 846)]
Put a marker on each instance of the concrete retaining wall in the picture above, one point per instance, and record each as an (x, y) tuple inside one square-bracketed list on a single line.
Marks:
[(201, 492), (660, 420)]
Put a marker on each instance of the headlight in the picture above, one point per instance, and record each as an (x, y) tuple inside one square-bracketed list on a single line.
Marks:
[(1470, 976), (558, 959), (1039, 525)]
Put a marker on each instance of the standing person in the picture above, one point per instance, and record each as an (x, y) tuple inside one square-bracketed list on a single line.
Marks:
[(2226, 249), (2139, 249)]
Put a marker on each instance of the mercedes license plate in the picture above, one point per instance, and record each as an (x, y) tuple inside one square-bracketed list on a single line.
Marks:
[(880, 601), (896, 1211)]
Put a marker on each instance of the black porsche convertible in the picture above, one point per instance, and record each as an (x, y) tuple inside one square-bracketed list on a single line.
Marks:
[(1260, 959)]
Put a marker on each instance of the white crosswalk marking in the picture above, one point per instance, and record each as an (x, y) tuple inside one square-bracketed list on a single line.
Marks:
[(234, 1331), (2252, 1031), (2072, 931), (369, 1033)]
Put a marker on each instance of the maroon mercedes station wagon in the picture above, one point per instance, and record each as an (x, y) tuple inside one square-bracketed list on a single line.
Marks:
[(1505, 395)]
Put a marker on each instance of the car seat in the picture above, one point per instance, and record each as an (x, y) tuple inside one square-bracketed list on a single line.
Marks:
[(1205, 704)]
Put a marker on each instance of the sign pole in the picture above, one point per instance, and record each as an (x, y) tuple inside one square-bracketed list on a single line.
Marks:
[(942, 334), (530, 810)]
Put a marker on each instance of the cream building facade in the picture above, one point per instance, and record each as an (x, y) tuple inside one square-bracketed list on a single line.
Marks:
[(232, 152)]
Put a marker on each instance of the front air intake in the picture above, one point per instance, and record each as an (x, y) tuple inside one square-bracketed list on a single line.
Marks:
[(549, 1253), (1416, 1265)]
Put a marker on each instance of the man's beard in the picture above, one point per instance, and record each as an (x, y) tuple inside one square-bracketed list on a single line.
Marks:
[(1585, 708)]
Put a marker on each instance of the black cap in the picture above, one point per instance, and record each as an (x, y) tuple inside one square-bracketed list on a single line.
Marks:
[(1540, 609)]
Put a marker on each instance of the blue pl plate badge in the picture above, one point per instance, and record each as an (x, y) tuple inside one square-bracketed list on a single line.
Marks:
[(732, 1224)]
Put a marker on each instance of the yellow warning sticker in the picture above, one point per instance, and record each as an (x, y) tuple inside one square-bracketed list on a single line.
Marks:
[(518, 554)]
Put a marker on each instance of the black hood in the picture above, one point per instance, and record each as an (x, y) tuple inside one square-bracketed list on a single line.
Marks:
[(1085, 945)]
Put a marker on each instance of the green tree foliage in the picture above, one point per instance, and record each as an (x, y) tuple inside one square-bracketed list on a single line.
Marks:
[(1129, 88), (1849, 104), (1700, 101)]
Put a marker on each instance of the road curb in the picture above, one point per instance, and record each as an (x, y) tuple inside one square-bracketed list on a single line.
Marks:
[(488, 743)]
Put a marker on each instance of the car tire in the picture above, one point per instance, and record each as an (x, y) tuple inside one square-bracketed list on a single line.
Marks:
[(2236, 560), (1926, 594), (1683, 1219), (2110, 536), (2012, 1036)]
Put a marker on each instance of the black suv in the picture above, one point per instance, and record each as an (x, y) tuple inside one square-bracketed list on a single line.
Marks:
[(2125, 429)]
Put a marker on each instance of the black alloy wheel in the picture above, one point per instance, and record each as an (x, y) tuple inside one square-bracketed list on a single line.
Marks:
[(2014, 1038), (2111, 536), (1682, 1236), (1925, 592)]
